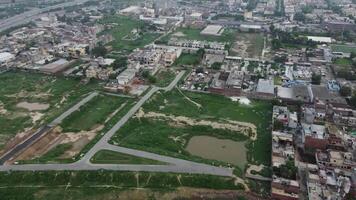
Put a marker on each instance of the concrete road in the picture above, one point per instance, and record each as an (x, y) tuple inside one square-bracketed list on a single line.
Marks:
[(115, 167), (174, 165), (23, 145), (28, 16)]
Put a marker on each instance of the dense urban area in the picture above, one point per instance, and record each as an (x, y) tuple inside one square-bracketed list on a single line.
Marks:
[(178, 99)]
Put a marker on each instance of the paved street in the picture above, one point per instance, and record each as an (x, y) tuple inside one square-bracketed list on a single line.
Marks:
[(43, 130), (28, 16), (174, 165)]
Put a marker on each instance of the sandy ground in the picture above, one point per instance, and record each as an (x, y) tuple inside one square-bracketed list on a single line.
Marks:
[(179, 34), (3, 111), (40, 147), (33, 106), (78, 141), (9, 141), (248, 129)]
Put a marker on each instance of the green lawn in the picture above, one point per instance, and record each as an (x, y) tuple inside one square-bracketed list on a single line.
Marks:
[(15, 87), (164, 77), (112, 157), (124, 28), (156, 135), (343, 48), (95, 112), (343, 62)]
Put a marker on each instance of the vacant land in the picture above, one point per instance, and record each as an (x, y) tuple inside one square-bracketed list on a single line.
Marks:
[(112, 157), (101, 184), (92, 114), (248, 45), (30, 100), (168, 121), (165, 77), (188, 59), (124, 28), (81, 130)]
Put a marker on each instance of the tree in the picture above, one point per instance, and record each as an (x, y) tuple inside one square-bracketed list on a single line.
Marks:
[(99, 51), (316, 79), (345, 91), (299, 16), (216, 66), (353, 101), (119, 63), (276, 44)]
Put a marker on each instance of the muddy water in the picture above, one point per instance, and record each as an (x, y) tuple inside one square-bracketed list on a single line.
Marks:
[(33, 106), (218, 149)]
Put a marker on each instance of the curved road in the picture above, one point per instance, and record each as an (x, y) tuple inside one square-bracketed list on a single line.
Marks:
[(174, 165)]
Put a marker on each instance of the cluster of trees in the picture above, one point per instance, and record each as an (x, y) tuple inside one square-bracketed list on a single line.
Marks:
[(146, 75), (281, 38), (316, 79), (287, 170)]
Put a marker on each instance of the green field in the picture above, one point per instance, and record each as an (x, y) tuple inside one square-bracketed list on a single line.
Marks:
[(15, 87), (164, 77), (343, 48), (124, 28), (344, 62), (112, 157), (156, 135), (94, 113), (187, 59), (82, 185)]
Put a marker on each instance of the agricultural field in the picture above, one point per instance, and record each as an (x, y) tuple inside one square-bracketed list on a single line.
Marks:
[(171, 123), (249, 45), (86, 185), (80, 130), (28, 101), (129, 33)]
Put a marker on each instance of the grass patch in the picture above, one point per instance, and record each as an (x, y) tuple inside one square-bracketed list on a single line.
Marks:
[(343, 62), (51, 156), (87, 184), (188, 59), (343, 48), (154, 135), (124, 28), (95, 112), (15, 87), (164, 78), (112, 157)]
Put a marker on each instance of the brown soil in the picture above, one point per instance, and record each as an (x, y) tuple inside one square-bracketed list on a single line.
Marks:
[(40, 147)]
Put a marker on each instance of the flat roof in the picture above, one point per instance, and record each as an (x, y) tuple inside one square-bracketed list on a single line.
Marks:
[(265, 86), (320, 39), (212, 30)]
